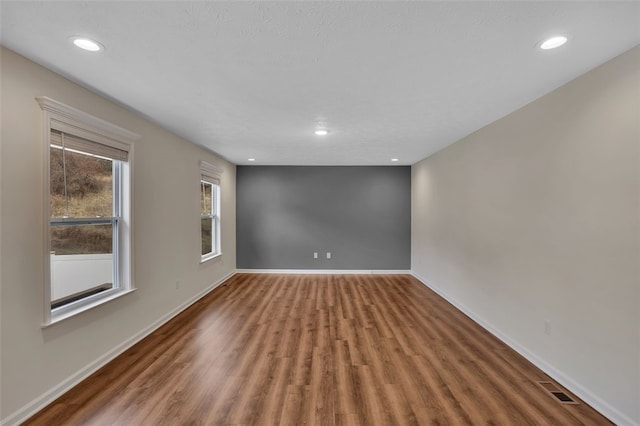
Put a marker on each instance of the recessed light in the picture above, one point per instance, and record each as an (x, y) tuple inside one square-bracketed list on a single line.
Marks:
[(321, 132), (553, 42), (251, 159), (394, 159), (87, 44)]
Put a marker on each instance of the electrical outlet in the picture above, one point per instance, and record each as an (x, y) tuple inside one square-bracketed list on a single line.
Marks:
[(177, 285), (547, 327), (315, 254), (328, 255)]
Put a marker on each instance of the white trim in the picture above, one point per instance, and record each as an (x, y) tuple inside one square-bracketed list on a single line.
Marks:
[(46, 398), (210, 256), (57, 115), (325, 271), (52, 394), (112, 295), (587, 396), (71, 116), (46, 217), (216, 227)]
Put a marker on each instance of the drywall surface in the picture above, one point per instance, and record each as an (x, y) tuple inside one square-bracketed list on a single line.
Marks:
[(536, 218), (361, 215), (36, 362)]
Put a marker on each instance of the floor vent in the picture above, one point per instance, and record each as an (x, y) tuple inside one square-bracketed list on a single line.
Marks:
[(560, 395)]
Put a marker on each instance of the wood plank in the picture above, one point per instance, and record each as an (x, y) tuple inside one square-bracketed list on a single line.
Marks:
[(317, 350)]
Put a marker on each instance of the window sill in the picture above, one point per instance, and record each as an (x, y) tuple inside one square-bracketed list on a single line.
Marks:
[(61, 317), (204, 259)]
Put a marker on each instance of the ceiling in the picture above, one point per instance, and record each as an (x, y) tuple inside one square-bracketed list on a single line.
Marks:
[(386, 79)]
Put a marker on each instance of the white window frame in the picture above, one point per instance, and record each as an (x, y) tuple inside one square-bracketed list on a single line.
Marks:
[(211, 175), (61, 117)]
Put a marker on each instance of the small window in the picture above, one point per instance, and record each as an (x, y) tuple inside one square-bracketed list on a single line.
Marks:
[(88, 245), (209, 211)]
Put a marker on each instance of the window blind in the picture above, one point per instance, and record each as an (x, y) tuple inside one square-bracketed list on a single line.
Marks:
[(210, 173), (210, 179), (85, 145)]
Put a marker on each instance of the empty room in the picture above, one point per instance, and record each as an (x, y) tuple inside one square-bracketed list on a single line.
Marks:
[(319, 213)]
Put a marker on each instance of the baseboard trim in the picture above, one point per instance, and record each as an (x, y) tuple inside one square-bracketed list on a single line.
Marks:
[(587, 396), (325, 271), (52, 394)]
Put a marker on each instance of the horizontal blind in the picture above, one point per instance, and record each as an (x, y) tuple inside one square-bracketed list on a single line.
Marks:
[(85, 145), (210, 179), (210, 173)]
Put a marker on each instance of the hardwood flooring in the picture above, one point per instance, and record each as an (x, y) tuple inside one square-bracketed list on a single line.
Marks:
[(317, 350)]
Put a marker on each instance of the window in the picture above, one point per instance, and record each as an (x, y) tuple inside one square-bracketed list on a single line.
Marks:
[(209, 211), (88, 204)]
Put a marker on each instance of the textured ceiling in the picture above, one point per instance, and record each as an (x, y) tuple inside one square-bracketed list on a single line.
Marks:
[(388, 79)]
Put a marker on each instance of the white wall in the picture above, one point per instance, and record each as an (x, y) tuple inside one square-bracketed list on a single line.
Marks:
[(536, 217), (37, 362)]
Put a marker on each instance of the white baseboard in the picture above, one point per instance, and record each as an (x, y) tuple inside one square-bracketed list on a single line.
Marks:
[(43, 400), (587, 396), (52, 394), (324, 271)]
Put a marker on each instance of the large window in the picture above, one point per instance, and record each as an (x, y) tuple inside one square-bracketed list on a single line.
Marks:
[(88, 238), (209, 211)]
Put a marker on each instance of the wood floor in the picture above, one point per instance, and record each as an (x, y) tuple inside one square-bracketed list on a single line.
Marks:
[(317, 350)]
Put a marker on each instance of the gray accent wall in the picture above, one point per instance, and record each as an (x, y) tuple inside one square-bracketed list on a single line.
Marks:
[(361, 215)]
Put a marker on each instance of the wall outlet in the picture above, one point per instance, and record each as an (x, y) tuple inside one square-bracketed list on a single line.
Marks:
[(547, 327), (177, 285), (328, 255), (315, 254)]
